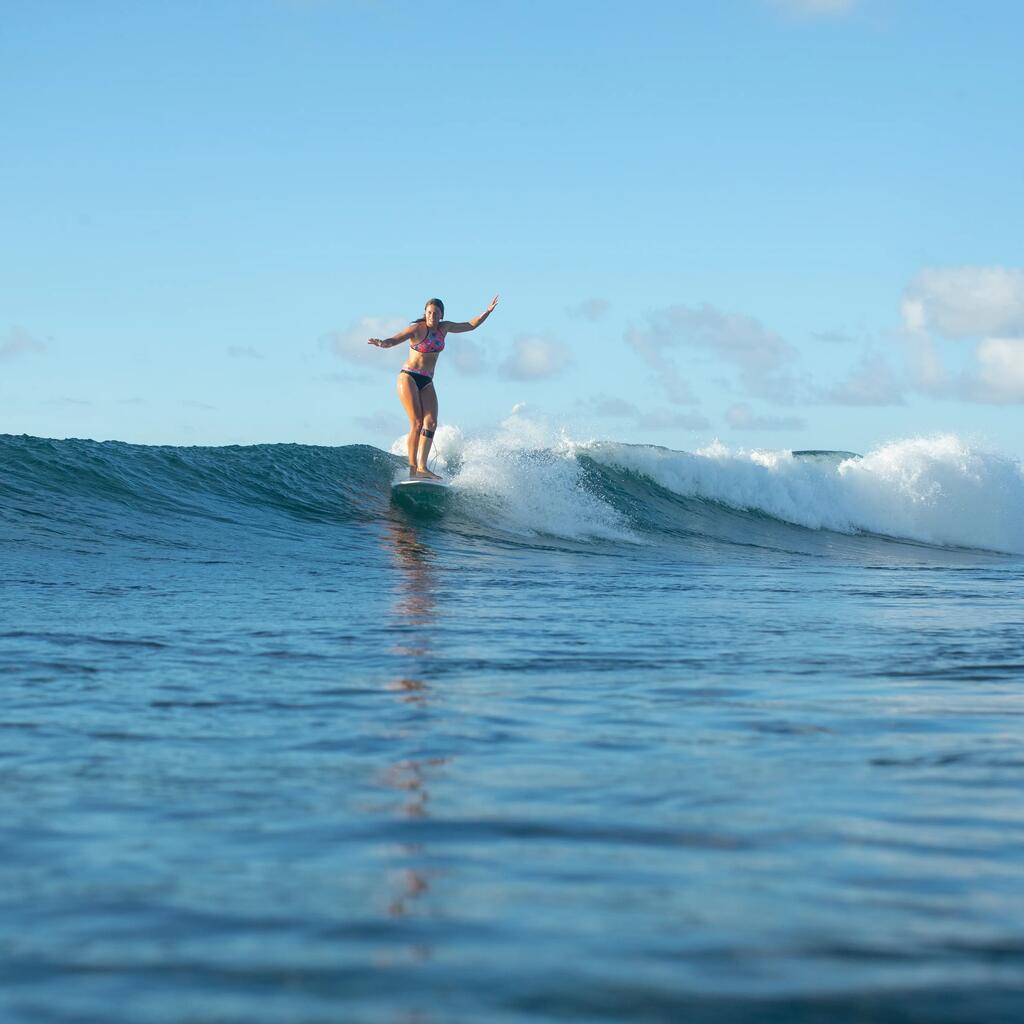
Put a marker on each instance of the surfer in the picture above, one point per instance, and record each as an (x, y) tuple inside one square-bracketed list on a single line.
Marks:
[(416, 379)]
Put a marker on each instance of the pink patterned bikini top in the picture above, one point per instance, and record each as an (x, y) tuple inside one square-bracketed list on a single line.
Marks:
[(433, 342)]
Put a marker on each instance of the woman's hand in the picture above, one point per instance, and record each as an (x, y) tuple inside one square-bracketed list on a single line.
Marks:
[(494, 302), (378, 342)]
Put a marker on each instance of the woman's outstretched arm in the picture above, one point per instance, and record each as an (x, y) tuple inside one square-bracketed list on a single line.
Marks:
[(471, 325), (395, 339)]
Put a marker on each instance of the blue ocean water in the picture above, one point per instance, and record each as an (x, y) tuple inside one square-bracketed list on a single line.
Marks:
[(607, 732)]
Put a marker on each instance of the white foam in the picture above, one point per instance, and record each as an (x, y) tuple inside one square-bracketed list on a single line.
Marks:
[(527, 479), (939, 490)]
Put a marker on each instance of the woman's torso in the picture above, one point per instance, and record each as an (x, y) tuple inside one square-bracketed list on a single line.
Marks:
[(424, 348)]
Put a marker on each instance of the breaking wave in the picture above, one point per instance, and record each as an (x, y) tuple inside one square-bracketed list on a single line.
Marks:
[(521, 484)]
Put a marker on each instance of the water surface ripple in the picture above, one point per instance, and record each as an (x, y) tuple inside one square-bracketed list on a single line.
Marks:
[(273, 760)]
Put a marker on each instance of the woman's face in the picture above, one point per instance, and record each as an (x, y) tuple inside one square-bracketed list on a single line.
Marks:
[(433, 315)]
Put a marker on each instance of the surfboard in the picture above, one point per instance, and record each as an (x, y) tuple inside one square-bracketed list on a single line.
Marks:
[(419, 484), (419, 492)]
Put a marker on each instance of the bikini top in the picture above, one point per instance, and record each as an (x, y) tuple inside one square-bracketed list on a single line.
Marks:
[(433, 342)]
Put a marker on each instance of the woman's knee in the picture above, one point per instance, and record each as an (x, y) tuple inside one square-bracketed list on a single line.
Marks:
[(429, 421)]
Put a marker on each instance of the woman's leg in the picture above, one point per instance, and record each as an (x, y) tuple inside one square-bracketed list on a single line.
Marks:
[(428, 403), (410, 396)]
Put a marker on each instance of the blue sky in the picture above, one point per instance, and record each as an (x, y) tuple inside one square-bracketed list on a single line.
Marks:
[(779, 223)]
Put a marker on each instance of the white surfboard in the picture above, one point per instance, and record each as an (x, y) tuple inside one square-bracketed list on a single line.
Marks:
[(418, 484)]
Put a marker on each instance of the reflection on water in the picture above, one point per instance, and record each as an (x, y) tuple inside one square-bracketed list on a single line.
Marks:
[(413, 616), (414, 691), (415, 603)]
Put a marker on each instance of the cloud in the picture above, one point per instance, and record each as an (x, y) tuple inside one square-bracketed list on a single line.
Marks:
[(966, 302), (613, 407), (351, 343), (871, 382), (466, 355), (999, 378), (983, 304), (244, 352), (651, 349), (741, 417), (762, 357), (832, 337), (534, 357), (816, 8), (666, 419), (927, 373), (19, 342), (590, 309), (382, 422)]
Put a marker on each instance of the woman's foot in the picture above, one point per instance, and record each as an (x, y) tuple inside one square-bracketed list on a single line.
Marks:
[(424, 474)]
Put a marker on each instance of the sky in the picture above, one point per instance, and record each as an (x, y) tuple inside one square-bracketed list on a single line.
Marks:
[(772, 223)]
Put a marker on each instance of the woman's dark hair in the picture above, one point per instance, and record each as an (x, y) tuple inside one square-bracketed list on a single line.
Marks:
[(430, 302)]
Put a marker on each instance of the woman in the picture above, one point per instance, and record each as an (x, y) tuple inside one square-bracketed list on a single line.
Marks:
[(416, 378)]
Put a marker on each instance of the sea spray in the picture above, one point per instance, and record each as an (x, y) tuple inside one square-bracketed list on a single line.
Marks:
[(530, 477)]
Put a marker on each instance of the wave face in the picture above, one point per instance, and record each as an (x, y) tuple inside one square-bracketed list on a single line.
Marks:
[(524, 485)]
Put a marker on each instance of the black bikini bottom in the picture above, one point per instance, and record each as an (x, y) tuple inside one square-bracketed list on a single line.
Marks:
[(421, 380)]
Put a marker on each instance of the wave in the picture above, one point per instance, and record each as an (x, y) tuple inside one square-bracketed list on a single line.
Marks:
[(938, 490), (526, 484)]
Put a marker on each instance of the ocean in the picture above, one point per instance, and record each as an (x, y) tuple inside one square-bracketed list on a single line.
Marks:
[(606, 732)]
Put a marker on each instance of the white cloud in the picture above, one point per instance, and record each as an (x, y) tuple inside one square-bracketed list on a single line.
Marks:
[(762, 356), (871, 382), (742, 417), (733, 337), (466, 355), (651, 349), (984, 304), (996, 378), (926, 370), (19, 342), (244, 352), (816, 8), (351, 343), (590, 309), (534, 357), (1000, 375), (966, 302)]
